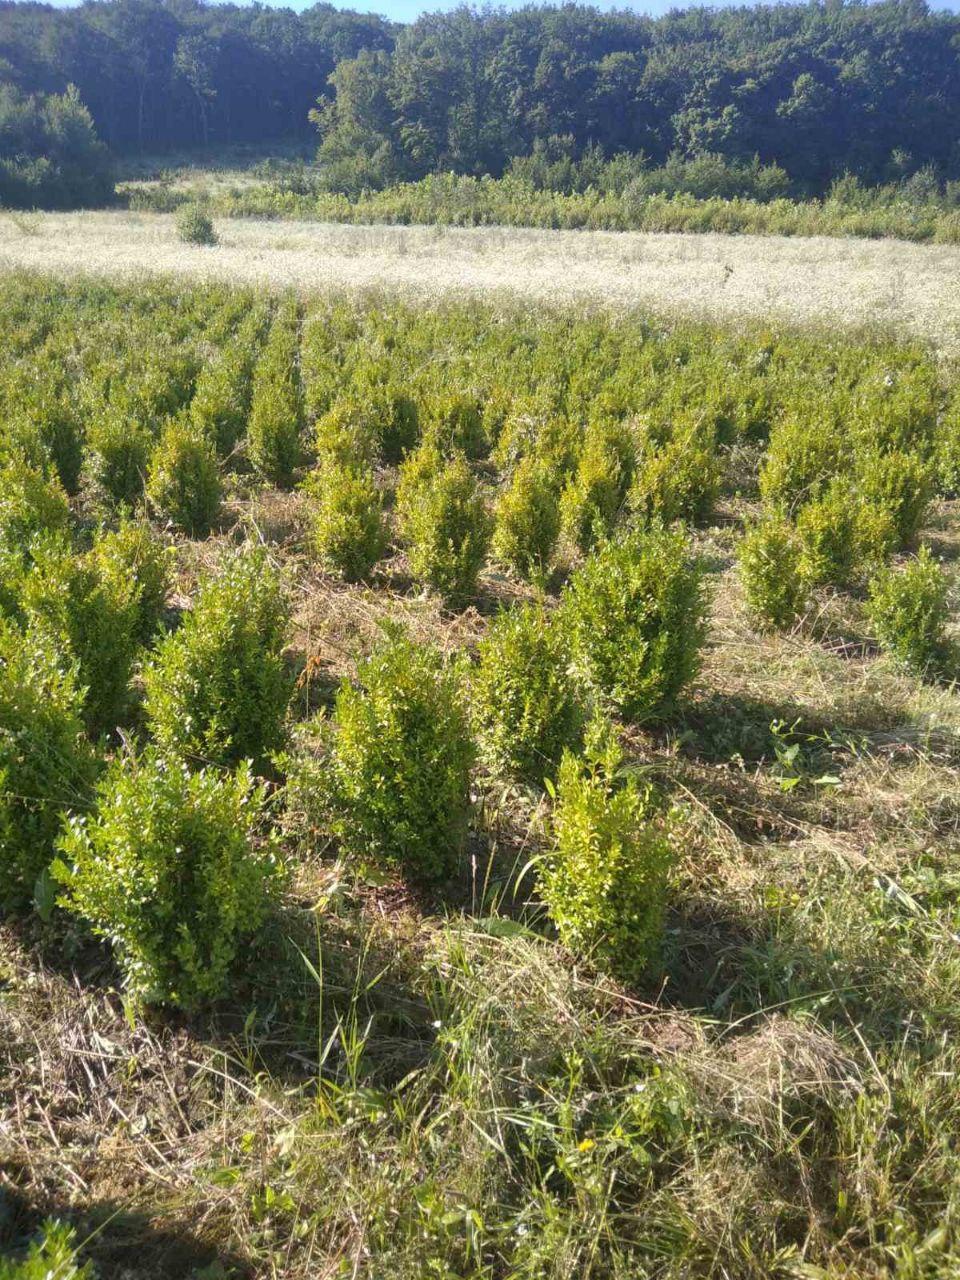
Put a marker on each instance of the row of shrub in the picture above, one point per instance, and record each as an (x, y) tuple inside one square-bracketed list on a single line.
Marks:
[(476, 439), (164, 847), (516, 200)]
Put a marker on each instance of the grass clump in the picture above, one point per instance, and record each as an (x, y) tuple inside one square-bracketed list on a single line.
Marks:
[(635, 611), (908, 608), (527, 521), (217, 689), (400, 760), (172, 871), (184, 479), (525, 704), (770, 572), (194, 226), (348, 533), (46, 765), (605, 880), (445, 524)]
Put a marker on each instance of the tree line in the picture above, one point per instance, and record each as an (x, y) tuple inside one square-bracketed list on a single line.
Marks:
[(818, 89)]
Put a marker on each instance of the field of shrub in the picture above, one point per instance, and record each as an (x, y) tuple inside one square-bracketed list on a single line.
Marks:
[(478, 792)]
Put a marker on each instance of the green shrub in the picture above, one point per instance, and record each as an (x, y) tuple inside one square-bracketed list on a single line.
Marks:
[(770, 572), (527, 520), (132, 552), (900, 484), (395, 420), (445, 525), (30, 504), (348, 533), (593, 499), (217, 689), (525, 703), (803, 457), (678, 480), (827, 532), (52, 1256), (909, 610), (172, 871), (348, 434), (399, 768), (194, 226), (636, 614), (605, 881), (221, 398), (46, 766), (118, 451), (453, 422), (90, 613), (276, 410), (184, 479)]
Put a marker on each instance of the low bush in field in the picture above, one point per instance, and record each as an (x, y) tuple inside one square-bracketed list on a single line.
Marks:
[(217, 688), (89, 612), (221, 398), (194, 226), (117, 456), (348, 533), (605, 880), (348, 434), (900, 485), (46, 766), (803, 457), (635, 611), (30, 504), (526, 705), (770, 572), (446, 527), (593, 499), (400, 760), (171, 870), (276, 410), (678, 480), (453, 422), (133, 553), (183, 483), (527, 520), (909, 611)]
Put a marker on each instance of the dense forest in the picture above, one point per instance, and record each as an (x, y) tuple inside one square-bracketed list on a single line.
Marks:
[(819, 89)]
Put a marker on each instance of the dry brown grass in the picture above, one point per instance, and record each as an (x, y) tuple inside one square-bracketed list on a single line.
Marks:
[(910, 289)]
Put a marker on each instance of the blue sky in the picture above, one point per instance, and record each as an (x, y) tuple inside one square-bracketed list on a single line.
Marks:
[(407, 10)]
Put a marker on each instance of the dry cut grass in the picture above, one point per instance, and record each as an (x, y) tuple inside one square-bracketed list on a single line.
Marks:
[(909, 289)]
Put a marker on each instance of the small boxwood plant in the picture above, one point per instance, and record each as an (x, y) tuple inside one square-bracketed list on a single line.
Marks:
[(400, 760), (527, 707), (217, 689), (909, 610), (635, 611), (348, 533), (770, 572), (46, 765), (527, 520), (605, 880), (173, 870), (446, 526), (183, 481)]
